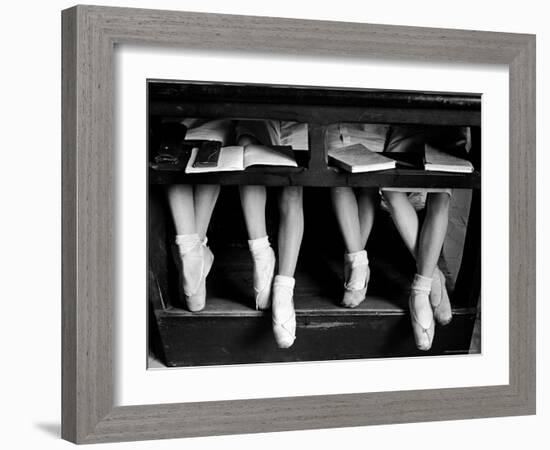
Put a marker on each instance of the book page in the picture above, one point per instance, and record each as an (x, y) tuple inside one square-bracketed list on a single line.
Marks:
[(231, 159), (263, 155)]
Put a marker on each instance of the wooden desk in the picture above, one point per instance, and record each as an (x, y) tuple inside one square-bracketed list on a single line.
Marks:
[(229, 318)]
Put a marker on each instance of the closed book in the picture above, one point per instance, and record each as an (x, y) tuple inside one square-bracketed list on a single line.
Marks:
[(438, 161), (357, 158)]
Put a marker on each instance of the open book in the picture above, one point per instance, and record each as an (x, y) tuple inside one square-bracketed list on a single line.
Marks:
[(237, 158), (358, 158)]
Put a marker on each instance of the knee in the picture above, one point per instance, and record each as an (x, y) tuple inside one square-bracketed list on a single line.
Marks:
[(438, 203), (212, 189), (368, 192), (340, 190), (340, 193), (291, 199), (393, 198)]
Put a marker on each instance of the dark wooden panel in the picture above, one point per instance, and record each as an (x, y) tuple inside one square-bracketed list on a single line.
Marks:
[(160, 90), (208, 340), (282, 176), (323, 114)]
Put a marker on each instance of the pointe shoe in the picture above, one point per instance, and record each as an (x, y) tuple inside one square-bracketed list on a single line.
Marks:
[(422, 320), (284, 316), (356, 274), (264, 270), (194, 265), (439, 299), (196, 299)]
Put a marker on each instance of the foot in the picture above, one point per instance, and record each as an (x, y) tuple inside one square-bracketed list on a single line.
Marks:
[(284, 316), (421, 312), (264, 270), (439, 299), (195, 262), (357, 274)]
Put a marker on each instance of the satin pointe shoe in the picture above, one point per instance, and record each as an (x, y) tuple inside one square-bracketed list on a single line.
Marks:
[(439, 299), (356, 274), (283, 314), (264, 270), (195, 262), (422, 320)]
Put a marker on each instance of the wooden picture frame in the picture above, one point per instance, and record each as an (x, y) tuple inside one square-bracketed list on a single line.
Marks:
[(89, 36)]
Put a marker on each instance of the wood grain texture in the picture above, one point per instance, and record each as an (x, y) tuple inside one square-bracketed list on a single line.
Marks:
[(68, 250), (89, 36)]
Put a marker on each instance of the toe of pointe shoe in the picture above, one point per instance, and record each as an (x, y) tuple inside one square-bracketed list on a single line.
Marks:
[(196, 302), (423, 337), (263, 300), (423, 347), (285, 331), (353, 298), (442, 310), (443, 320), (283, 338), (443, 314)]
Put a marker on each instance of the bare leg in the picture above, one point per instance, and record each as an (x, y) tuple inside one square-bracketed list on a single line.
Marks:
[(405, 218), (430, 242), (192, 263), (433, 233), (346, 209), (205, 200), (367, 200), (253, 200), (291, 229), (180, 199)]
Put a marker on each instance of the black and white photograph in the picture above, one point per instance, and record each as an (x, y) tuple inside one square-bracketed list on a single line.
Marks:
[(298, 223)]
